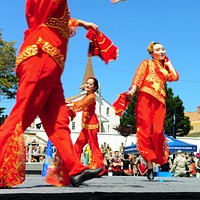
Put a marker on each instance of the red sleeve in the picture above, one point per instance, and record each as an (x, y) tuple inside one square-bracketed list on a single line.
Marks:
[(172, 77), (140, 74), (37, 11), (84, 103)]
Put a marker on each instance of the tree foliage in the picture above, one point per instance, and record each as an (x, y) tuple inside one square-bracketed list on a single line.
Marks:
[(174, 107), (2, 117), (8, 79), (128, 120), (175, 115)]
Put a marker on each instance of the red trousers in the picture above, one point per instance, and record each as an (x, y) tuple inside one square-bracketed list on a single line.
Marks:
[(151, 142), (40, 93), (90, 136)]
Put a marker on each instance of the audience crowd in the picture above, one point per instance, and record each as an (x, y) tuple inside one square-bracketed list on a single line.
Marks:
[(118, 163), (35, 152)]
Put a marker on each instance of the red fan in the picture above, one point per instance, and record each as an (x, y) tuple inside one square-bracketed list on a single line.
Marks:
[(166, 59)]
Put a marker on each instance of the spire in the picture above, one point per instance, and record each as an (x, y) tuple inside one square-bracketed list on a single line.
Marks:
[(88, 72)]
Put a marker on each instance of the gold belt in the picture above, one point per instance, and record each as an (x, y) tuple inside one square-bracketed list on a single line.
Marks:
[(48, 48)]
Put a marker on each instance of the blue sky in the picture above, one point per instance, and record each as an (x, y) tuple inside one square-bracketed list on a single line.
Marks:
[(131, 25)]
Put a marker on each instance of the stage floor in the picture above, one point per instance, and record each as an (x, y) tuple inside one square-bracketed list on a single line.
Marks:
[(109, 186)]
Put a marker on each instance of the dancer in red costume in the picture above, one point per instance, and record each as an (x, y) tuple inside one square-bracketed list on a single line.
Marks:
[(89, 130), (150, 79), (39, 66)]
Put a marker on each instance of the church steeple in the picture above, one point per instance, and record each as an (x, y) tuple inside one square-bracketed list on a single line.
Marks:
[(88, 72)]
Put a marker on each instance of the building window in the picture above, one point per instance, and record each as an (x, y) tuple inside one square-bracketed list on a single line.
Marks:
[(38, 126), (108, 111), (73, 126)]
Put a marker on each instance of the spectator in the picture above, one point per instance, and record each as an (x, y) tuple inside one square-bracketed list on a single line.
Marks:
[(193, 172), (35, 153), (107, 162), (132, 158), (27, 153), (142, 166), (198, 168), (121, 148), (108, 148), (116, 164), (102, 148), (110, 155), (198, 154), (179, 165), (189, 169), (33, 159), (166, 166), (41, 158), (127, 171), (104, 145)]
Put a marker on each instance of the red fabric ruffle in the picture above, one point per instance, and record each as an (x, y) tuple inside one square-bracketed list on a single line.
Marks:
[(100, 45), (121, 103)]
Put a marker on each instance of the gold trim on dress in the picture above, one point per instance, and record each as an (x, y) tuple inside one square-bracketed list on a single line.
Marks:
[(52, 51), (28, 52), (13, 169), (153, 93), (60, 23), (66, 25), (48, 48), (90, 126), (105, 50)]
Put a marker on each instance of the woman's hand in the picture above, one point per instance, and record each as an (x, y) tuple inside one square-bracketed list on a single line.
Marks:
[(169, 66), (70, 105), (129, 97), (131, 92), (87, 25)]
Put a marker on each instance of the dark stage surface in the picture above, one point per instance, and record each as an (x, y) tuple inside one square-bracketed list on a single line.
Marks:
[(108, 188)]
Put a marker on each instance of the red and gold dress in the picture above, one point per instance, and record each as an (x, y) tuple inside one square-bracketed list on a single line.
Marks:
[(39, 66), (150, 78), (89, 130)]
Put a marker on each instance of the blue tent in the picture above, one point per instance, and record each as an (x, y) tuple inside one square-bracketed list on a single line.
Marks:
[(174, 146)]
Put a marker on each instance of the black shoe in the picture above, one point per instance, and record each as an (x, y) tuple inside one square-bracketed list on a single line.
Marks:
[(5, 187), (84, 176), (101, 173), (150, 174)]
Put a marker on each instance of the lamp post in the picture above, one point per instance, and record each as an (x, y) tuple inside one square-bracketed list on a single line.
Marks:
[(100, 100), (174, 126)]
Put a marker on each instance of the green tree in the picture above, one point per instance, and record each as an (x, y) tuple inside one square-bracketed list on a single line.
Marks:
[(8, 79), (127, 124), (175, 115), (2, 117), (129, 118)]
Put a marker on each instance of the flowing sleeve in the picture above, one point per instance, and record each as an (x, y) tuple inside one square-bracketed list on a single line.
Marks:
[(173, 77), (140, 74), (84, 103), (73, 25)]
